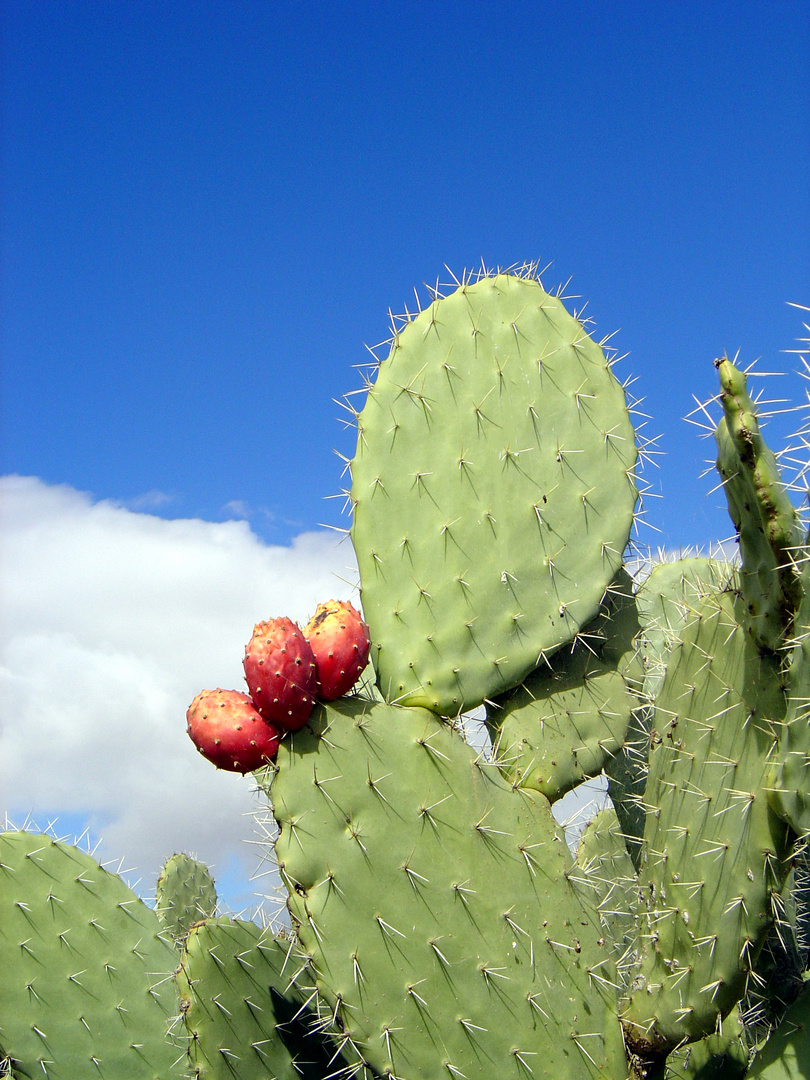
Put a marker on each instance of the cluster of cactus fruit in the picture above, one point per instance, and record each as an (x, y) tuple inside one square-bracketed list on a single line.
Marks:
[(286, 669), (440, 926)]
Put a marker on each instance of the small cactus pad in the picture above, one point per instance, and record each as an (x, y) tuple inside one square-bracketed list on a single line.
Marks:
[(436, 904), (243, 1014), (493, 491), (770, 532), (185, 894), (713, 851), (86, 988), (570, 716), (665, 599)]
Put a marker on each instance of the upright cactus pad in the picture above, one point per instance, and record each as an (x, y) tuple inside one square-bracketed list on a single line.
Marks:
[(493, 491), (184, 895), (770, 532), (790, 780), (664, 601), (713, 851), (437, 904), (86, 988)]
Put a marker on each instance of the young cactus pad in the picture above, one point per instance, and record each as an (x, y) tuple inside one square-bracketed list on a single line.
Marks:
[(185, 893), (570, 716), (493, 491)]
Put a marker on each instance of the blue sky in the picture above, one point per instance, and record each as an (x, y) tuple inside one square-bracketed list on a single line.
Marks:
[(208, 209)]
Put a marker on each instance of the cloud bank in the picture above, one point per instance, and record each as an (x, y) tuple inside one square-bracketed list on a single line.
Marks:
[(112, 621)]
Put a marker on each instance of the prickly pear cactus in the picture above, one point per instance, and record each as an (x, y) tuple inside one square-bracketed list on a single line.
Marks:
[(441, 927), (87, 988), (568, 718), (242, 1010), (185, 893), (437, 903), (493, 491)]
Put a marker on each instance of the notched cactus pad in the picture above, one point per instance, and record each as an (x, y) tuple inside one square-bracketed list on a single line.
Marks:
[(437, 904), (493, 491), (185, 893), (86, 989), (770, 532)]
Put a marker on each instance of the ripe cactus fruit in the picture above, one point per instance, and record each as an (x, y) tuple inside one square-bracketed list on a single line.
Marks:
[(340, 643), (227, 730), (281, 674)]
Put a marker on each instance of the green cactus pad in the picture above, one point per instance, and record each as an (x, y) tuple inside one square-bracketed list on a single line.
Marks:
[(86, 988), (243, 1013), (436, 903), (713, 851), (770, 532), (664, 602), (185, 894), (493, 491), (570, 716)]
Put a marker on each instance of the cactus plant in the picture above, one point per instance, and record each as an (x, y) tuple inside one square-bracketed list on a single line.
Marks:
[(700, 680), (439, 921), (87, 975), (242, 1011), (185, 894)]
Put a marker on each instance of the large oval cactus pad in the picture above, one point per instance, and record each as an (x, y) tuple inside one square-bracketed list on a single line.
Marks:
[(493, 490)]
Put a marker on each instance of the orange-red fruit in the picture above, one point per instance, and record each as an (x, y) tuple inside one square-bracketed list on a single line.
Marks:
[(339, 639), (280, 673), (228, 731)]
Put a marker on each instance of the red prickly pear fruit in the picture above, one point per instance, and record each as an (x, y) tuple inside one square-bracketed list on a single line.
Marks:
[(340, 642), (280, 673), (227, 730)]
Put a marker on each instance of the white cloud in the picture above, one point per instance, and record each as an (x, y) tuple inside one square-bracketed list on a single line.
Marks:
[(111, 622)]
